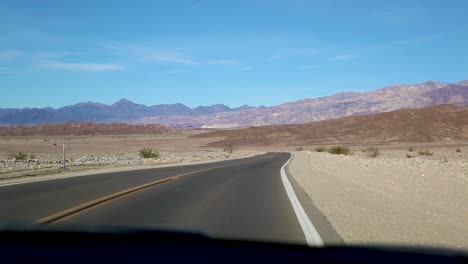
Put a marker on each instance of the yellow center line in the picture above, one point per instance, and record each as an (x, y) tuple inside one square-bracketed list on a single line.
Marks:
[(72, 212)]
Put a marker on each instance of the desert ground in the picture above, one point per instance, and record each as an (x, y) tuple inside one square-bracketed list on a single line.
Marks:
[(397, 197), (99, 152)]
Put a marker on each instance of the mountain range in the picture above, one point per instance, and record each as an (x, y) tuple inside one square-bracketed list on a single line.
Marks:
[(386, 99), (123, 111)]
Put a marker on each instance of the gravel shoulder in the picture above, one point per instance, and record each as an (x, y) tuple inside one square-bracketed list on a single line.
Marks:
[(390, 199), (179, 159)]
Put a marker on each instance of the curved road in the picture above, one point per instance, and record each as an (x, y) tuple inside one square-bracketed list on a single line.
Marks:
[(238, 199)]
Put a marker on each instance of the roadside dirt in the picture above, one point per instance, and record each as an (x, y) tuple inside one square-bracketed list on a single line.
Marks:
[(390, 199)]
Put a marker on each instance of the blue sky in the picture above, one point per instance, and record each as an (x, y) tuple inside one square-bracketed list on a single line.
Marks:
[(55, 53)]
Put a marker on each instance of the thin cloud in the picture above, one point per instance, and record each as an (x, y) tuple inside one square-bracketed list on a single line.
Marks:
[(56, 54), (398, 16), (293, 53), (4, 70), (194, 6), (309, 67), (167, 57), (10, 54), (246, 68), (150, 55), (223, 62), (171, 72), (343, 57), (82, 67), (273, 57)]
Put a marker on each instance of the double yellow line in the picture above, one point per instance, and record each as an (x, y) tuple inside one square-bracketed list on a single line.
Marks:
[(72, 212)]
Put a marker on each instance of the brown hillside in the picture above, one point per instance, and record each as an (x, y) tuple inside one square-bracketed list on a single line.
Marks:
[(84, 128), (432, 124)]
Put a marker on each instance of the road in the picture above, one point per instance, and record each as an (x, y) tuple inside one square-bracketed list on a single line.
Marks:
[(237, 199)]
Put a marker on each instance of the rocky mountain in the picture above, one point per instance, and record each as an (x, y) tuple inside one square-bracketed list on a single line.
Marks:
[(84, 128), (345, 104), (441, 123), (221, 116)]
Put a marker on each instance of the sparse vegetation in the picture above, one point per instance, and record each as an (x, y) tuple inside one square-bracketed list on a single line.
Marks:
[(372, 152), (32, 156), (425, 153), (410, 149), (228, 148), (339, 150), (320, 149), (148, 153), (299, 149), (409, 156), (458, 150), (19, 156)]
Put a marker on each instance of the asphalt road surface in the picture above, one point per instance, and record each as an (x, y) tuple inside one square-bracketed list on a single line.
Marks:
[(237, 199)]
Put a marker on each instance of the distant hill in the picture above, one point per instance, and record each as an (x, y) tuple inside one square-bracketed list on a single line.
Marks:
[(84, 128), (386, 99), (433, 124)]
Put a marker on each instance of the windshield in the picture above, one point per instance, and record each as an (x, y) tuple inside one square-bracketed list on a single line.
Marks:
[(306, 122)]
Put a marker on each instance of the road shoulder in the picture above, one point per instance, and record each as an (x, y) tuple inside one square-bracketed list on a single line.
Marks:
[(326, 231)]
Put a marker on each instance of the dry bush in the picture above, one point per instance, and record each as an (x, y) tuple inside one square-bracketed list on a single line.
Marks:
[(372, 152), (147, 153), (339, 150), (425, 153), (320, 149), (228, 148), (19, 156)]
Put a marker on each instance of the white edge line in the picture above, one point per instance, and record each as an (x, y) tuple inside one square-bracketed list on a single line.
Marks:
[(312, 236)]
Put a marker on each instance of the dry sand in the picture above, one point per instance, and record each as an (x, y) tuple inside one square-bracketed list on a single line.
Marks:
[(390, 199)]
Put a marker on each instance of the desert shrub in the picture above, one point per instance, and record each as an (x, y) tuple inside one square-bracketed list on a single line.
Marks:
[(320, 149), (32, 156), (409, 156), (299, 149), (425, 153), (228, 148), (458, 150), (147, 153), (372, 152), (410, 149), (339, 150), (19, 156)]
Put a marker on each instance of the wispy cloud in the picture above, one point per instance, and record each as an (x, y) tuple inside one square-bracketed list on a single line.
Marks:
[(10, 54), (194, 5), (151, 55), (4, 70), (56, 54), (167, 57), (398, 16), (223, 62), (83, 67), (247, 68), (293, 53), (309, 67), (273, 57), (170, 72), (343, 57)]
